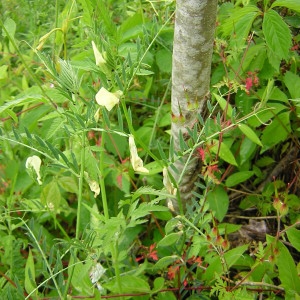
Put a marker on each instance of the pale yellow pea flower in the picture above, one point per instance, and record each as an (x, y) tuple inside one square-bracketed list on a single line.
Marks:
[(108, 99), (136, 161), (33, 164), (100, 61)]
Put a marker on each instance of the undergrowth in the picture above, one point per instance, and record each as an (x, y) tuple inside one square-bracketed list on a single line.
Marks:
[(85, 118)]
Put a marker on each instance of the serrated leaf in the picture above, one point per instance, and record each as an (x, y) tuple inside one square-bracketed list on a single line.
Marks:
[(250, 134), (238, 177), (291, 4), (224, 153), (277, 34), (218, 201)]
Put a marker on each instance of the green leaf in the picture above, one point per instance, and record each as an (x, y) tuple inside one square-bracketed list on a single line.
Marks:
[(292, 82), (291, 4), (250, 134), (10, 27), (170, 239), (224, 152), (224, 105), (294, 238), (218, 201), (51, 196), (287, 270), (238, 177), (165, 262), (30, 284), (129, 284), (276, 132), (277, 34), (163, 59), (159, 283)]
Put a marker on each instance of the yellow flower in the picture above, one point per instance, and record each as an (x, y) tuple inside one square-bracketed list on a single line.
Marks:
[(100, 61), (33, 164), (135, 160), (108, 99)]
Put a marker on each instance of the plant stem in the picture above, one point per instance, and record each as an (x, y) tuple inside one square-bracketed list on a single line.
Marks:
[(102, 183), (115, 254), (80, 191)]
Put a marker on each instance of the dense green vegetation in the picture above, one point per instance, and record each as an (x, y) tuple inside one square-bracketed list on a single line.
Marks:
[(84, 139)]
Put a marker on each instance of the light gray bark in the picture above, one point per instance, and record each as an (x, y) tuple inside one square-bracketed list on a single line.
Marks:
[(192, 52)]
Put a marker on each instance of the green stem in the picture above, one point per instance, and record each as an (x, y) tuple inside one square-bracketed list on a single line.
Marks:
[(115, 254), (102, 183), (80, 188), (79, 205)]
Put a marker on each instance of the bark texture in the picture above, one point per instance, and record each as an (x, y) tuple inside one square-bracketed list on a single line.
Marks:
[(192, 53)]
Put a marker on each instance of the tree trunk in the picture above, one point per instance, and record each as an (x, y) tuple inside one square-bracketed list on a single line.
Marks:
[(192, 53)]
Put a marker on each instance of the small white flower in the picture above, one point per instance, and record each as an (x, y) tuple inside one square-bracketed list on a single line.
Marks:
[(108, 99), (33, 164), (100, 61), (96, 272), (135, 160), (94, 186)]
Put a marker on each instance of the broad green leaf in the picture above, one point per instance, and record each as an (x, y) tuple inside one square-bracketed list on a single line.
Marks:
[(287, 270), (218, 201), (292, 82), (224, 152), (240, 19), (26, 99), (80, 277), (291, 4), (224, 105), (165, 262), (276, 132), (131, 28), (129, 284), (10, 27), (51, 196), (163, 59), (30, 284), (233, 255), (294, 237), (238, 177), (250, 134), (277, 34), (3, 72), (159, 283), (170, 239), (247, 149)]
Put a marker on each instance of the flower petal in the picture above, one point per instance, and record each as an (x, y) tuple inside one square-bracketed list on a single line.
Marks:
[(33, 163), (100, 61), (106, 98), (136, 161), (167, 182)]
